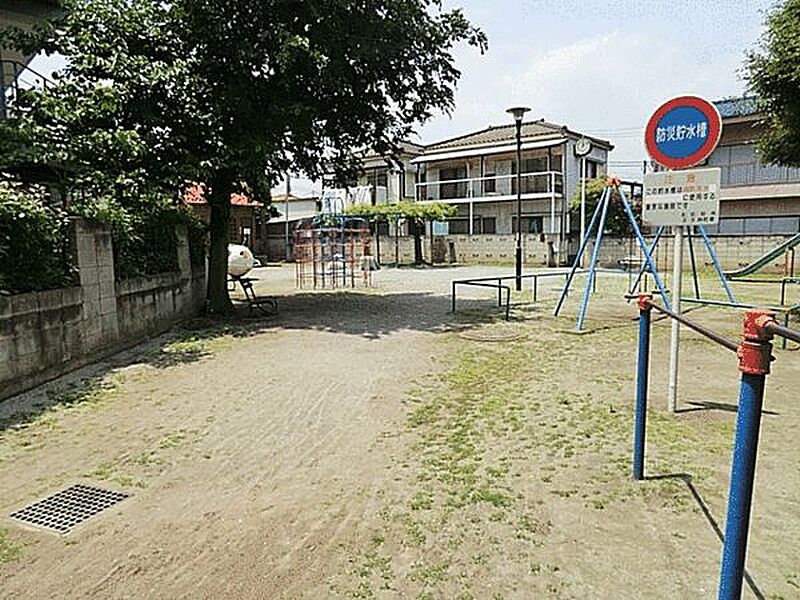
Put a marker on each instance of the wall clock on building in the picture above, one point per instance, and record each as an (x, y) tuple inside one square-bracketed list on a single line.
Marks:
[(582, 147)]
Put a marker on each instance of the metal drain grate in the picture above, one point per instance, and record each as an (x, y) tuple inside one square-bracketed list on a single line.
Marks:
[(65, 509)]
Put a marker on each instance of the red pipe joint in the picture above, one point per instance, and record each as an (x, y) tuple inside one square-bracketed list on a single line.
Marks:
[(755, 349), (645, 302), (754, 325)]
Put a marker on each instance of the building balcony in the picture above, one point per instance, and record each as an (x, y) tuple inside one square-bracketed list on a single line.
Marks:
[(493, 188)]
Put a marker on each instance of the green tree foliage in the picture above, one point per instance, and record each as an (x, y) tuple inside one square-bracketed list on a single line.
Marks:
[(617, 222), (417, 214), (234, 93), (773, 74)]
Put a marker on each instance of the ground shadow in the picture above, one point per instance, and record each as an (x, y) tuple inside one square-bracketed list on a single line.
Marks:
[(686, 478), (703, 405), (360, 313)]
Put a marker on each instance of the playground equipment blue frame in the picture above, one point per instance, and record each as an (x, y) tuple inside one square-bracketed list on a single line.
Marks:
[(755, 354), (602, 211)]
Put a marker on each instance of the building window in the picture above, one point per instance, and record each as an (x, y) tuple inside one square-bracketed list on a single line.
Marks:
[(490, 185), (592, 169), (785, 224), (529, 224), (489, 225), (756, 226), (377, 177), (458, 226), (453, 190)]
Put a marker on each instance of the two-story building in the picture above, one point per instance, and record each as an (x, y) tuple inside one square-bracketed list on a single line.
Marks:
[(390, 179), (477, 173), (756, 197)]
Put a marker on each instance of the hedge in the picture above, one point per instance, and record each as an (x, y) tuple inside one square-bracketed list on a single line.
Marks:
[(35, 245)]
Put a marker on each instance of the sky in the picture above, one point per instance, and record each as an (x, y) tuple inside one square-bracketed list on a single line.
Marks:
[(600, 68)]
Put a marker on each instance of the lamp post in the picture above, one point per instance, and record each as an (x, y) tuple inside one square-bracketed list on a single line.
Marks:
[(518, 112)]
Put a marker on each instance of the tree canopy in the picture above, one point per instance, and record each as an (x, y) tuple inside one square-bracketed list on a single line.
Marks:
[(434, 211), (773, 74), (232, 94), (616, 219)]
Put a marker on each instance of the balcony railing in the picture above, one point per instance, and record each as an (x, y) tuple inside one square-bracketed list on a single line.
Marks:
[(758, 174), (543, 184), (17, 77)]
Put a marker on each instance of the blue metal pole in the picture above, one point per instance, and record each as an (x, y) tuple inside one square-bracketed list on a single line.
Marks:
[(581, 250), (648, 257), (593, 264), (715, 261), (643, 268), (751, 395), (642, 372)]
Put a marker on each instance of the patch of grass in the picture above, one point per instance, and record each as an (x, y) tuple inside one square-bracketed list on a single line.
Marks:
[(429, 574), (370, 568), (8, 549), (108, 471), (193, 345)]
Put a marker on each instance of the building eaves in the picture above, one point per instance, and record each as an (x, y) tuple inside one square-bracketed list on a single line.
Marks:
[(742, 106), (502, 134)]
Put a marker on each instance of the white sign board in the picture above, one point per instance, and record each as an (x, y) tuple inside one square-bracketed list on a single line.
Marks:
[(689, 197)]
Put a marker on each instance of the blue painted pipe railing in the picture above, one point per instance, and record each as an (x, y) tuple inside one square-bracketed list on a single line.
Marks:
[(642, 373), (751, 397)]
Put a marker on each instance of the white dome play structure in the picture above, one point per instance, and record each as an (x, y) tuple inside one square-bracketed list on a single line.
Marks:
[(240, 260)]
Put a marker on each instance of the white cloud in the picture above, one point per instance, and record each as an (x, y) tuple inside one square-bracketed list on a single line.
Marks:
[(604, 82)]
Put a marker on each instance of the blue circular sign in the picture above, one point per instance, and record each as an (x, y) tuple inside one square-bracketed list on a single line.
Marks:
[(683, 132)]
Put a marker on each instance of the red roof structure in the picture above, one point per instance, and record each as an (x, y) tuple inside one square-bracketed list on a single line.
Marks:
[(195, 194)]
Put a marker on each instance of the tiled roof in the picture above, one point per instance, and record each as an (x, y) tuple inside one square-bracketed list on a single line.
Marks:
[(499, 133), (194, 195), (404, 147), (743, 106)]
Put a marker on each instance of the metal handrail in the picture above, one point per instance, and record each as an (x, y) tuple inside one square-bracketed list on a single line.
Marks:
[(781, 331), (712, 335), (24, 67)]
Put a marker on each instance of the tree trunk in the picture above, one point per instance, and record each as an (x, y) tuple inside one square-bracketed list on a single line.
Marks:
[(219, 301), (378, 243)]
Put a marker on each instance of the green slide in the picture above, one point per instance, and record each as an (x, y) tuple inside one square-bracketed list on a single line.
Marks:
[(766, 259)]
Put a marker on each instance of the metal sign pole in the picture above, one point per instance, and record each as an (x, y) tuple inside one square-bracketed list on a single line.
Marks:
[(286, 216), (583, 199), (677, 273)]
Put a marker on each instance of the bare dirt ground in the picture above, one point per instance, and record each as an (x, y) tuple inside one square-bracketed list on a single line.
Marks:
[(368, 444)]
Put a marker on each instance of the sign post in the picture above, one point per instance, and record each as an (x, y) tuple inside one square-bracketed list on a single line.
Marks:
[(682, 133)]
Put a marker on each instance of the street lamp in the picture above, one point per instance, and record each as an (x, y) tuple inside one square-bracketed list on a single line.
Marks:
[(518, 112)]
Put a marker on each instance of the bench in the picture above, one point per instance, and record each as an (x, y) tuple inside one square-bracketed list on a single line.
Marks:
[(265, 305)]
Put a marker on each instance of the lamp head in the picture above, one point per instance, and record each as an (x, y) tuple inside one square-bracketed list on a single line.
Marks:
[(518, 112)]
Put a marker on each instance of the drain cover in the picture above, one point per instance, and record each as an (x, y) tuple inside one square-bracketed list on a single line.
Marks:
[(65, 509)]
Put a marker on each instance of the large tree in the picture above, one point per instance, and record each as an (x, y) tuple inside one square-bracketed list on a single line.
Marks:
[(233, 93), (773, 74)]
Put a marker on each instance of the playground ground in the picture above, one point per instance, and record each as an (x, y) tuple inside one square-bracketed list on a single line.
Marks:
[(369, 444)]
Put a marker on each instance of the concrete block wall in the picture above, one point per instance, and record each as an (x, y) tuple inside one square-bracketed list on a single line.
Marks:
[(473, 249), (733, 251), (46, 334)]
